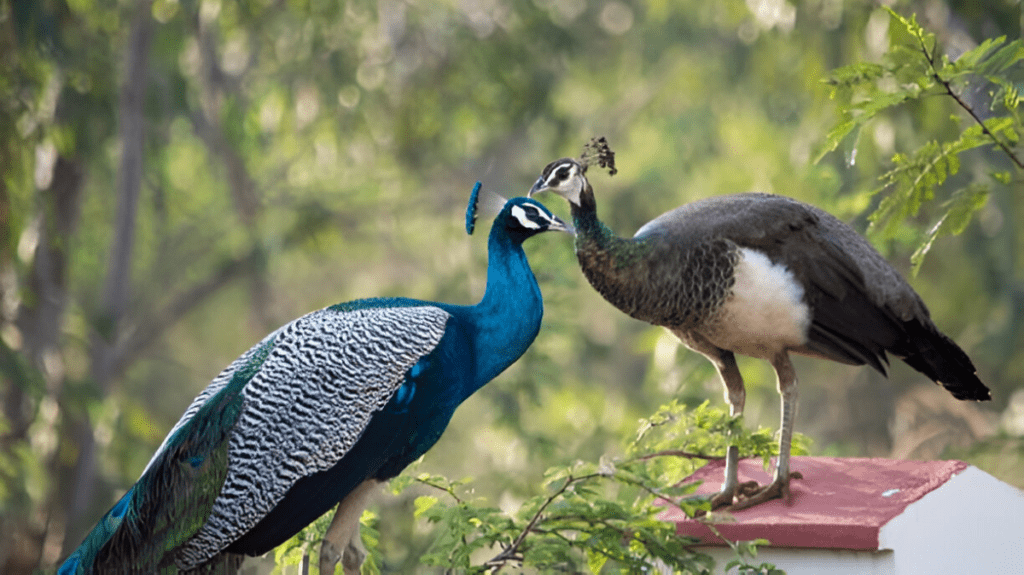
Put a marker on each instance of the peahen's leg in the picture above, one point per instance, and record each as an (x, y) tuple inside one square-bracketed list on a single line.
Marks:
[(779, 487), (342, 542), (735, 394)]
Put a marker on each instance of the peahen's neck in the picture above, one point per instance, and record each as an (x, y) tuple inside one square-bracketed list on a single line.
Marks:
[(508, 317), (610, 263)]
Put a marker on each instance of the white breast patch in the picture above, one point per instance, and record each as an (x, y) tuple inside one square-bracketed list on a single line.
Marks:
[(766, 312)]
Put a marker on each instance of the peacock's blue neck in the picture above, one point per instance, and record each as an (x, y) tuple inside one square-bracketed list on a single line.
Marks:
[(508, 317)]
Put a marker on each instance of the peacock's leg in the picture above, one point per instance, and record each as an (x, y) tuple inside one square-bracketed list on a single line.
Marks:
[(342, 542), (779, 487)]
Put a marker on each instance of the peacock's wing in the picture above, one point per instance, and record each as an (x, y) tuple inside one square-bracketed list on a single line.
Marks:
[(324, 377)]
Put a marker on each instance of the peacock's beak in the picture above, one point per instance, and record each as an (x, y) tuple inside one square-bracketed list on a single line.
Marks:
[(558, 225)]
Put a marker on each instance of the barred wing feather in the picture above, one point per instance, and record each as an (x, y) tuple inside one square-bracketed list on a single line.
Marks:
[(326, 375)]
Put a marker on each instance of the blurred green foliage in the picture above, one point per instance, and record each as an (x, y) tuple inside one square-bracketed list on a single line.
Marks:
[(298, 153), (913, 69)]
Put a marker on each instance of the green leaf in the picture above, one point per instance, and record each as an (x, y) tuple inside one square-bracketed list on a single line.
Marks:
[(970, 59), (399, 483), (862, 113), (909, 26), (423, 503), (914, 178), (960, 209), (853, 76), (1007, 56), (834, 138), (596, 561)]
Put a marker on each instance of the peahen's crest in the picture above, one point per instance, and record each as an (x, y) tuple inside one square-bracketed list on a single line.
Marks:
[(597, 151)]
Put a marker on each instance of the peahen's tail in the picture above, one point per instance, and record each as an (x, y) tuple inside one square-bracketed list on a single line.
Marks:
[(942, 360)]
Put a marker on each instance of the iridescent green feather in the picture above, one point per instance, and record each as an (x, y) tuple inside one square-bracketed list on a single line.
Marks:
[(173, 498)]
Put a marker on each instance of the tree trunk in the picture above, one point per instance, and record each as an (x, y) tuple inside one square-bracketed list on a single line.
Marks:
[(114, 303)]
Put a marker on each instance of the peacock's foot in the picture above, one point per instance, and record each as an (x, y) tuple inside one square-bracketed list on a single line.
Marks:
[(355, 554), (329, 556), (351, 557)]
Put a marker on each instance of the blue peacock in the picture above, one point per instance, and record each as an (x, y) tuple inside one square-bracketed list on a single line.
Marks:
[(319, 412)]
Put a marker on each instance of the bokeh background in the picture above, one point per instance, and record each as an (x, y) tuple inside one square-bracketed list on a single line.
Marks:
[(180, 177)]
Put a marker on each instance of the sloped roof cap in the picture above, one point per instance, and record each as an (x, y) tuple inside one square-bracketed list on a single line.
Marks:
[(841, 503)]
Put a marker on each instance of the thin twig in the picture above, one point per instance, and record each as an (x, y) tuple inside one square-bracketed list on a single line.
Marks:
[(449, 490), (930, 58), (508, 554), (1006, 149), (678, 453)]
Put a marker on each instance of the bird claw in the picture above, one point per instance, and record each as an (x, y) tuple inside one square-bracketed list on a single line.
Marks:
[(329, 556), (352, 562), (750, 496), (351, 557), (727, 496)]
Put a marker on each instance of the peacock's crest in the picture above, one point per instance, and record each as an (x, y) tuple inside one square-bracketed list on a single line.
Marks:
[(471, 211)]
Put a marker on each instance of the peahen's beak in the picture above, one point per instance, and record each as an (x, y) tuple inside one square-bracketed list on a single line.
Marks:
[(538, 186)]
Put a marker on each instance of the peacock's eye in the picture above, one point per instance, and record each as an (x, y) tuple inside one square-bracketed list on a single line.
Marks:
[(562, 173)]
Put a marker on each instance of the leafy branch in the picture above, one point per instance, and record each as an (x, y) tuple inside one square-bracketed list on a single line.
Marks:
[(910, 71), (985, 60), (604, 513), (601, 515), (511, 552)]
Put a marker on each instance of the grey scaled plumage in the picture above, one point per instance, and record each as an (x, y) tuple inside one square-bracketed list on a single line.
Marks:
[(759, 275)]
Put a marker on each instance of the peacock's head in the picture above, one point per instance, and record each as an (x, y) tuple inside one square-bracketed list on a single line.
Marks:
[(565, 177), (519, 217), (524, 217)]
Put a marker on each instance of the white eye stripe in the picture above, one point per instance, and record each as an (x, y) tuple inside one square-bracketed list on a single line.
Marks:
[(524, 220), (554, 178)]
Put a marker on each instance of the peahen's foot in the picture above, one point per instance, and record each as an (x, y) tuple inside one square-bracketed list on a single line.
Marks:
[(727, 496), (747, 497)]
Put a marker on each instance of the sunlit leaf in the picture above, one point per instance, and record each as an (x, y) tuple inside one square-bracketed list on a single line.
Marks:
[(959, 212), (423, 503)]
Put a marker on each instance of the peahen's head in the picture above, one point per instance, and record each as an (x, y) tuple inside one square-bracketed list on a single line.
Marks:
[(568, 177), (565, 177)]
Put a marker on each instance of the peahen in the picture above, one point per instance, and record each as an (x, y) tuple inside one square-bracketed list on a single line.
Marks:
[(319, 412), (760, 275)]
